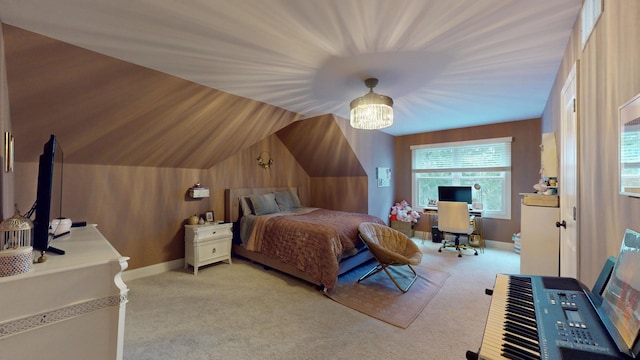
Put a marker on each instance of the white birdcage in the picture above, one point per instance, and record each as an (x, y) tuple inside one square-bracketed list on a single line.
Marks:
[(15, 232), (16, 236)]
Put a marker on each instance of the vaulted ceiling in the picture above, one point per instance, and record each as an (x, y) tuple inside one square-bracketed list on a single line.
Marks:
[(184, 74), (108, 111)]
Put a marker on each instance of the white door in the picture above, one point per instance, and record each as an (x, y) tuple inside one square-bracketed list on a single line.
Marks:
[(568, 182)]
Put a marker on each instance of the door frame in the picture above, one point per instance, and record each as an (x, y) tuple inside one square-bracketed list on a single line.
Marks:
[(569, 214)]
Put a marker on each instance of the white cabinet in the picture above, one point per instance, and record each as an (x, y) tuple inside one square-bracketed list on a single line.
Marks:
[(207, 244), (72, 306), (540, 241)]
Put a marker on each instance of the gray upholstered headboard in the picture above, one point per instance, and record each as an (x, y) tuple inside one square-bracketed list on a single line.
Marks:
[(232, 204)]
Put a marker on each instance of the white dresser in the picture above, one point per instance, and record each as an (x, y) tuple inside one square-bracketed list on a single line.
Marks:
[(70, 307), (207, 244)]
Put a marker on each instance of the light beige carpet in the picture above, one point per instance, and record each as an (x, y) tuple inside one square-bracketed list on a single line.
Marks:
[(243, 312), (378, 297)]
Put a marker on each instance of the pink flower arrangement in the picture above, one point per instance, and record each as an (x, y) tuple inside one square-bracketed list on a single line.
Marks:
[(402, 211)]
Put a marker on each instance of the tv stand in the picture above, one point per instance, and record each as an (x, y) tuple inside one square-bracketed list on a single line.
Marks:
[(61, 235), (51, 249), (43, 254), (77, 296)]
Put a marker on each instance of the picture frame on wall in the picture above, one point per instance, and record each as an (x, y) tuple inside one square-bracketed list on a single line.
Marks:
[(208, 216), (629, 148), (383, 175)]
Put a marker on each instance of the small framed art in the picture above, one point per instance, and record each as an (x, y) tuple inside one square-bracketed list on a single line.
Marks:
[(208, 216), (383, 176)]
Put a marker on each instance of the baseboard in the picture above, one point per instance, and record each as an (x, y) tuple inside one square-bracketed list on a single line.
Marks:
[(493, 244), (154, 269)]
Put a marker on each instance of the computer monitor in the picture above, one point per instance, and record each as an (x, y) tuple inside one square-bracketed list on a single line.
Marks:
[(455, 193)]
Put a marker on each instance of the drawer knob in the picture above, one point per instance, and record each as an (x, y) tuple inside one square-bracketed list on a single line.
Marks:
[(214, 233), (213, 251)]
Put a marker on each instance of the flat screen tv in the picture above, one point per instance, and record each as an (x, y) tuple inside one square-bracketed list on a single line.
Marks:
[(48, 205), (455, 193)]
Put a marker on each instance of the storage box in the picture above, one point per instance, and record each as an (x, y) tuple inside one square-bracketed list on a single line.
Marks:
[(198, 192), (541, 200), (404, 227), (16, 261), (516, 242)]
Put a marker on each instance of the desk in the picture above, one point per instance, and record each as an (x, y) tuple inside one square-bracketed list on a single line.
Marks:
[(429, 210), (429, 219)]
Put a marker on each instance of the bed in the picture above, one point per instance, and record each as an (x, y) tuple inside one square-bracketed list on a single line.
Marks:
[(272, 228)]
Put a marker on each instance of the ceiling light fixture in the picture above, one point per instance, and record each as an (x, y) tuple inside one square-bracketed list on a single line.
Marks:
[(371, 111)]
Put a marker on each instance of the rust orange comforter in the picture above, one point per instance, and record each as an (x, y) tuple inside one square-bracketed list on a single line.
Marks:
[(313, 242)]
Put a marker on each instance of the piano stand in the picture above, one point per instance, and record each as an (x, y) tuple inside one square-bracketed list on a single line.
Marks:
[(470, 355), (488, 292)]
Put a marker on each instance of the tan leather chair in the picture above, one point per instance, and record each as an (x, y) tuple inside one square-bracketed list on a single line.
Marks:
[(389, 247), (453, 218)]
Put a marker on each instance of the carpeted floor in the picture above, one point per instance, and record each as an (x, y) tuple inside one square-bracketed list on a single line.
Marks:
[(241, 311), (378, 297)]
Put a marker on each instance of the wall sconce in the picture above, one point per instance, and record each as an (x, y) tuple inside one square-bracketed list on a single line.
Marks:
[(265, 161), (8, 152), (198, 192)]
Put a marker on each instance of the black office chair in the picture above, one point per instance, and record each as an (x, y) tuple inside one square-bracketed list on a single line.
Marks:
[(453, 218)]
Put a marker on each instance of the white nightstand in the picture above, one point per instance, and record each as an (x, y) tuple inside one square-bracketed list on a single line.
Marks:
[(207, 244)]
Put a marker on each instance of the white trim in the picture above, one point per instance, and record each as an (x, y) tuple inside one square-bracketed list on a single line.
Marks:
[(505, 168), (502, 245), (152, 269), (30, 322), (462, 143)]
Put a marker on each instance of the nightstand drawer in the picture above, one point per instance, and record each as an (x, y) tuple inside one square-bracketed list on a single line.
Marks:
[(211, 233), (211, 250)]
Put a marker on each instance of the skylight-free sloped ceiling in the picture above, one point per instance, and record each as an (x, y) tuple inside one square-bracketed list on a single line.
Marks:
[(325, 151), (111, 112)]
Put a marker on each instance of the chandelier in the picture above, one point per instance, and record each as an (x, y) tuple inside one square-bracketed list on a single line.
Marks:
[(371, 111)]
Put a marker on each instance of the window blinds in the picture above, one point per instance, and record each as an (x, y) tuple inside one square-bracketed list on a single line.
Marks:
[(483, 155)]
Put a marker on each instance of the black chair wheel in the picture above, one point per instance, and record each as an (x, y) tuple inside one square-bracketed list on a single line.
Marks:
[(476, 254), (439, 250), (459, 255)]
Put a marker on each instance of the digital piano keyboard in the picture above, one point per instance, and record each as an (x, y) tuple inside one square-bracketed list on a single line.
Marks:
[(538, 317)]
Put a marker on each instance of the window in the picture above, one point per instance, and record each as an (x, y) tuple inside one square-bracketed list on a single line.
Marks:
[(485, 165), (589, 15)]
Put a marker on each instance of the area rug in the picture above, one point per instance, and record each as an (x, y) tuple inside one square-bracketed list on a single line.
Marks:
[(379, 298)]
